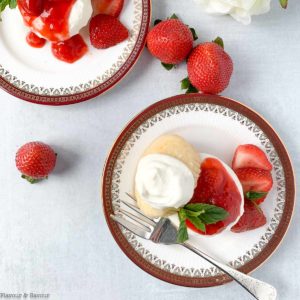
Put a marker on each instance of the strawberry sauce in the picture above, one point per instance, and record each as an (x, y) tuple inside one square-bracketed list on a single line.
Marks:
[(215, 186), (70, 50), (48, 17), (35, 41)]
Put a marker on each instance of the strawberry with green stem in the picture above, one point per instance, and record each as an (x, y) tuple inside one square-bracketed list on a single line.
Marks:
[(35, 160), (209, 68), (170, 41)]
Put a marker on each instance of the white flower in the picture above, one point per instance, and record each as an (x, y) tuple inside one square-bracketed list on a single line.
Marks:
[(240, 10)]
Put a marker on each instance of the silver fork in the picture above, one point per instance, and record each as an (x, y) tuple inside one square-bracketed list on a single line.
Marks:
[(162, 231)]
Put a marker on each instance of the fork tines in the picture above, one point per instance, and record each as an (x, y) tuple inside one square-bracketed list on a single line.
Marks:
[(136, 222)]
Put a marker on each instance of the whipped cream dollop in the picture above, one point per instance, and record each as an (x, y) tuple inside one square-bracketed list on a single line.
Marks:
[(80, 15), (164, 181)]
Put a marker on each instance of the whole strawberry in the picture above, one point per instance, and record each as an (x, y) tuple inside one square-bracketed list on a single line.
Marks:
[(170, 41), (107, 31), (209, 67), (35, 160)]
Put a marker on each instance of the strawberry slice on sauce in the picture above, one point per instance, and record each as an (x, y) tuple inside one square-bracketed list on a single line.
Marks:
[(108, 7), (250, 156), (216, 187), (252, 218), (255, 180)]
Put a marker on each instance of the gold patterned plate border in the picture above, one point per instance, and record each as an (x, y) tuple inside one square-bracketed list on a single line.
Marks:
[(74, 94)]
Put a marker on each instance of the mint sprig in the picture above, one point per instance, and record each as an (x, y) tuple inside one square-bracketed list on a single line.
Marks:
[(200, 215)]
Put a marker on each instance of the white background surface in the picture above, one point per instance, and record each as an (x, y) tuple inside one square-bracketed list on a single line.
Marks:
[(53, 235)]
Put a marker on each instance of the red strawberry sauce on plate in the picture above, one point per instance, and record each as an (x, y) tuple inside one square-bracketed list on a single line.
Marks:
[(50, 19), (215, 186), (52, 16), (35, 41), (70, 50)]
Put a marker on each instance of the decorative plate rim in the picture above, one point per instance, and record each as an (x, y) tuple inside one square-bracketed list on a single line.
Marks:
[(153, 109), (135, 53)]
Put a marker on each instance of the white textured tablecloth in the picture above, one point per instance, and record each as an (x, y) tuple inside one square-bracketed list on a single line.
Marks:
[(53, 235)]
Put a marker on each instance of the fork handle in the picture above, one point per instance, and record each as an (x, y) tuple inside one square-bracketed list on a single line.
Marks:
[(258, 289)]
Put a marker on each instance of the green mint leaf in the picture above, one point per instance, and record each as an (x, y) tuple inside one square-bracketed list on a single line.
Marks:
[(219, 42), (174, 17), (197, 223), (215, 215), (190, 213), (195, 36), (5, 3), (168, 66), (185, 83), (182, 214), (157, 22), (198, 206), (210, 214), (284, 3), (182, 233), (255, 195), (13, 4)]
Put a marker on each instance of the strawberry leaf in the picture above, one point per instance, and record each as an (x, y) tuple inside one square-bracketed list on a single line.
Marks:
[(185, 83), (191, 90), (31, 179), (157, 22), (255, 195), (168, 67), (193, 31), (174, 17), (284, 3), (219, 42)]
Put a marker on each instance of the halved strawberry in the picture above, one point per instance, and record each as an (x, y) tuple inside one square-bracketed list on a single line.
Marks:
[(255, 180), (250, 156), (106, 31), (108, 7), (251, 219)]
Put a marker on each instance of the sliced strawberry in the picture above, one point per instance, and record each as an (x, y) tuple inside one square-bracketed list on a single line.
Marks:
[(260, 200), (250, 156), (252, 218), (255, 180), (108, 7)]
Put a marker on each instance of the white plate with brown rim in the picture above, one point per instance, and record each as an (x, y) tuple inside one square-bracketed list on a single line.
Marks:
[(35, 75), (214, 125)]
